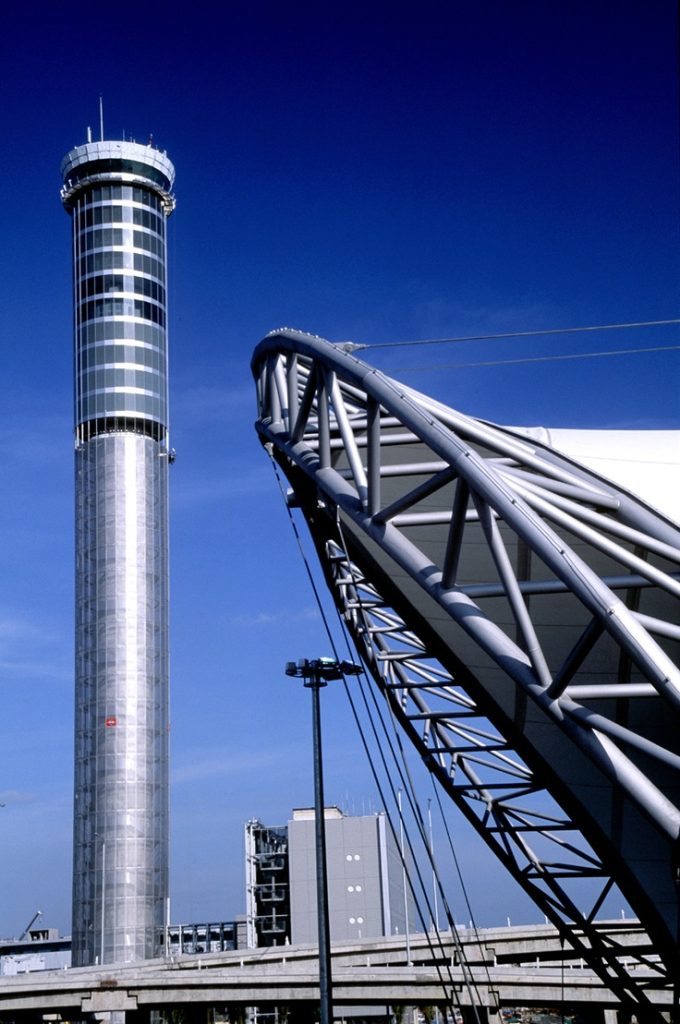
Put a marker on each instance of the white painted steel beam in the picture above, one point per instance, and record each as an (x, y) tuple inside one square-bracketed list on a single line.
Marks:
[(475, 564)]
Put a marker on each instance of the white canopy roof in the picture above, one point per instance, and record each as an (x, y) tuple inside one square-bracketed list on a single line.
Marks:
[(644, 462)]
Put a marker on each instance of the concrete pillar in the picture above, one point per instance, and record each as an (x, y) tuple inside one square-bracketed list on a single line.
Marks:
[(586, 1013), (236, 1012), (143, 1016), (475, 1014), (303, 1012), (640, 1016), (191, 1013)]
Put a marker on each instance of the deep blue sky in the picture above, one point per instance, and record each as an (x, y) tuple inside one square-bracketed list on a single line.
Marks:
[(374, 172)]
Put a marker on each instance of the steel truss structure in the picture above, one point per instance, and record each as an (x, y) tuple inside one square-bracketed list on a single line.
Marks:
[(520, 615)]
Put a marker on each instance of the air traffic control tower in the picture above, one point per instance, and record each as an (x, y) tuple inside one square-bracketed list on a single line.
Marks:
[(119, 196)]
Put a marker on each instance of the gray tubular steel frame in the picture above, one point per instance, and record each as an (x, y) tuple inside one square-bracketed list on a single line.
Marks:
[(563, 753)]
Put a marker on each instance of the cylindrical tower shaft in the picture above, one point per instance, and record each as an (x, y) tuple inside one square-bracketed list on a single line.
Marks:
[(119, 197)]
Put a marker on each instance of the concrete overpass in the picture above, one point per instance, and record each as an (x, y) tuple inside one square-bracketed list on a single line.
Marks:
[(486, 970)]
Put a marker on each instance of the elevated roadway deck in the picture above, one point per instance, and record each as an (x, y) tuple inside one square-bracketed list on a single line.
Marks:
[(525, 966)]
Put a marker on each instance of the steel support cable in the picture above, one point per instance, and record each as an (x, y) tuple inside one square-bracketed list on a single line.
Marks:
[(519, 361), (454, 857), (469, 982), (381, 791), (408, 788), (442, 949), (455, 937), (364, 742), (415, 809), (353, 347)]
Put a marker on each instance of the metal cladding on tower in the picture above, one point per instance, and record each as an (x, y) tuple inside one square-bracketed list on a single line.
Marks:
[(119, 196)]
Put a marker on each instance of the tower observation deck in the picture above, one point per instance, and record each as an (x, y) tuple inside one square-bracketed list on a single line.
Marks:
[(119, 196)]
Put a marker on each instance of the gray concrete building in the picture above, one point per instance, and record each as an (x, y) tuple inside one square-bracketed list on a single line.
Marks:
[(365, 879), (119, 196), (38, 949)]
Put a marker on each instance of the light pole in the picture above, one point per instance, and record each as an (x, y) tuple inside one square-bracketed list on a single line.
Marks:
[(434, 877), (403, 879), (435, 923), (316, 674)]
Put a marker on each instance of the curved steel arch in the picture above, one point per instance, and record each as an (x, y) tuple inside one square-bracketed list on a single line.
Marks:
[(520, 613)]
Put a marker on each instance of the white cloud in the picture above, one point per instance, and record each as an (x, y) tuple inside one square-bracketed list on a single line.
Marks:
[(214, 764), (32, 649), (279, 617), (15, 796)]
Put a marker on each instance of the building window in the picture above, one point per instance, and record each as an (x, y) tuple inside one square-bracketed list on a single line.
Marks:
[(149, 242), (101, 237)]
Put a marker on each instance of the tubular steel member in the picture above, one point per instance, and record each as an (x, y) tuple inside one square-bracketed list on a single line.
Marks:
[(520, 614)]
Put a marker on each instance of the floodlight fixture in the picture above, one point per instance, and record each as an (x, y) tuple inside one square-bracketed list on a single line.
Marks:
[(319, 671)]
